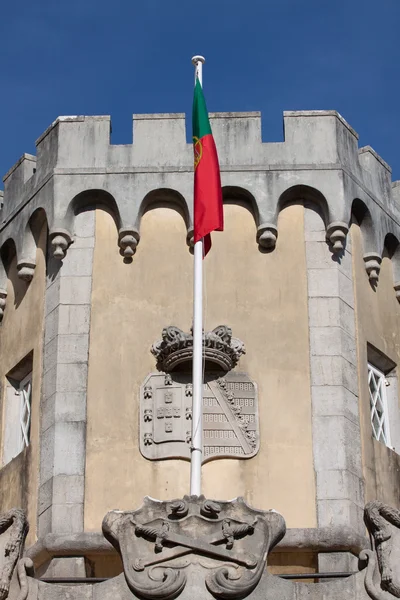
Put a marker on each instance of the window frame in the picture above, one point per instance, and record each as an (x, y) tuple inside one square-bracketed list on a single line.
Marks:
[(384, 423)]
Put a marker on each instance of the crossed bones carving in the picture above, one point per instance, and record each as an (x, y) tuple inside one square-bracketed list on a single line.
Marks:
[(185, 544)]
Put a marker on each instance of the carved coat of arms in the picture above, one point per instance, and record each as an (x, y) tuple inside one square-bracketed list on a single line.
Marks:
[(160, 543), (230, 401)]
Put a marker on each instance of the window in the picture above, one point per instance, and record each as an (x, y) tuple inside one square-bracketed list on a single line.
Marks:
[(377, 383), (17, 416)]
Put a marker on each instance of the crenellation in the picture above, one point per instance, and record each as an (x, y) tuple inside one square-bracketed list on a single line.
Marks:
[(235, 134), (16, 178), (376, 174), (319, 159), (159, 140)]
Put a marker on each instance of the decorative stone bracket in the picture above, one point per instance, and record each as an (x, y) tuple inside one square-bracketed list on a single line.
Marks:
[(372, 262), (266, 236), (128, 239), (60, 240), (336, 234), (3, 298)]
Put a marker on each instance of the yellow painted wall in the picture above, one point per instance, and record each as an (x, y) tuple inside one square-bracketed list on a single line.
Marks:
[(377, 323), (263, 297), (21, 332)]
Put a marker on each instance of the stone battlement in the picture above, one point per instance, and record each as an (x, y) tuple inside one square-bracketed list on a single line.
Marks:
[(319, 160)]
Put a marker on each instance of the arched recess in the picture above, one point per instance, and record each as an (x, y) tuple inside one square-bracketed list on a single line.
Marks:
[(312, 198), (61, 236), (361, 215), (304, 194), (265, 237), (28, 243), (8, 256), (392, 250), (165, 197)]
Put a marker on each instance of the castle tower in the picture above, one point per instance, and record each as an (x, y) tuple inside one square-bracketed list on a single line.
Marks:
[(95, 263)]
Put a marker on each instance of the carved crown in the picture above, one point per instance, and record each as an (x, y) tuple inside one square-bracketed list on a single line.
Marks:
[(176, 348)]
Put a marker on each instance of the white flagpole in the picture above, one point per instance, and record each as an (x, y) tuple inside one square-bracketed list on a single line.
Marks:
[(197, 410)]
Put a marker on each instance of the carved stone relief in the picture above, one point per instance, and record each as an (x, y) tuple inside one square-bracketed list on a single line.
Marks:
[(227, 541), (13, 531), (230, 416)]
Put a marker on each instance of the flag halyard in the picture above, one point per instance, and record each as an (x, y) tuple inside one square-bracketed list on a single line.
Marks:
[(208, 206)]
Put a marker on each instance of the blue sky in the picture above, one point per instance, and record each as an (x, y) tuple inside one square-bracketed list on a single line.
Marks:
[(127, 56)]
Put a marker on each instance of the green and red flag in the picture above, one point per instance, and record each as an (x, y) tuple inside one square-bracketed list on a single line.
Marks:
[(208, 207)]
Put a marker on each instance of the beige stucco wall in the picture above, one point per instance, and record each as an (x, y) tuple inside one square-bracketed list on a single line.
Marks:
[(22, 333), (377, 323), (263, 297)]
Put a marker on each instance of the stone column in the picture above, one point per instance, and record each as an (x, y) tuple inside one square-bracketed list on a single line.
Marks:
[(63, 402), (334, 389)]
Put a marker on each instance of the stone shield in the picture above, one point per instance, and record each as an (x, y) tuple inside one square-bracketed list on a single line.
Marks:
[(230, 416)]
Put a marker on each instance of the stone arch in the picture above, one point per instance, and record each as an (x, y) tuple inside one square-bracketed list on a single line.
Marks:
[(158, 196), (306, 195), (8, 272), (161, 197), (236, 194), (391, 249), (61, 235)]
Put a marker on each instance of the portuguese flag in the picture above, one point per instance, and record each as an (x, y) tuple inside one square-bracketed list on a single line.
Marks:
[(208, 209)]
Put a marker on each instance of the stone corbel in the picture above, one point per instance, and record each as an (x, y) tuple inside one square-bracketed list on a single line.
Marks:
[(128, 239), (60, 240), (336, 234), (190, 238), (3, 298), (397, 290), (267, 235), (26, 269), (372, 262)]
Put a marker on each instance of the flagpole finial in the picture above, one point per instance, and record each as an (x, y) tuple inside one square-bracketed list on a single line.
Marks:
[(196, 59)]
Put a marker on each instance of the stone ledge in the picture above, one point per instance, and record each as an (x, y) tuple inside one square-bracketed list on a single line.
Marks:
[(328, 539)]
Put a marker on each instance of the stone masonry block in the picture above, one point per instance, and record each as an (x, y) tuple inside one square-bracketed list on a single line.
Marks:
[(44, 522), (72, 348), (69, 448), (52, 295), (337, 445), (73, 319), (340, 484), (67, 518), (71, 377), (50, 355), (68, 489), (332, 341), (61, 406), (67, 566), (84, 225), (335, 562), (330, 283), (83, 242), (331, 312), (319, 256), (75, 290), (52, 325), (78, 263), (49, 385), (47, 454), (334, 370), (336, 513), (334, 401), (45, 495)]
